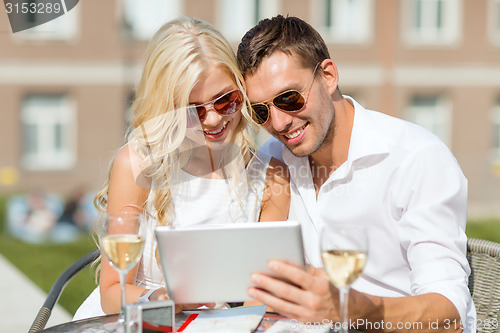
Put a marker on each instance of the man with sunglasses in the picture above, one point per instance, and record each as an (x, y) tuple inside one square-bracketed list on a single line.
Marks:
[(351, 165)]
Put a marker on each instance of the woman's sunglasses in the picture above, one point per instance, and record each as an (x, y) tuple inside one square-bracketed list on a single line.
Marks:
[(289, 101), (224, 105)]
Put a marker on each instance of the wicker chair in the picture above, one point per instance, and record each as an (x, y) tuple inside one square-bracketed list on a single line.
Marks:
[(45, 311), (484, 282)]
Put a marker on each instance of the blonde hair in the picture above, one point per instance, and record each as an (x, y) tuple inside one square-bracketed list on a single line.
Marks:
[(180, 51)]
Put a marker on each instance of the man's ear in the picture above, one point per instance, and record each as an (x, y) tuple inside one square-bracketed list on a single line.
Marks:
[(330, 75)]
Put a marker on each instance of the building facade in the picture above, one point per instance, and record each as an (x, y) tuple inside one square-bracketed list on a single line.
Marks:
[(66, 86)]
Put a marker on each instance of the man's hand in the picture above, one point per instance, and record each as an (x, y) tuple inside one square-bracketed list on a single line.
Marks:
[(309, 295)]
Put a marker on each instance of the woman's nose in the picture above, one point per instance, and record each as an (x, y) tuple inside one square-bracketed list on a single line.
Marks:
[(212, 118)]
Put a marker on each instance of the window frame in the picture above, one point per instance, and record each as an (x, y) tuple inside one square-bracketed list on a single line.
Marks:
[(442, 111), (46, 156), (337, 34), (449, 34), (495, 121), (65, 28), (244, 13), (494, 22), (131, 17)]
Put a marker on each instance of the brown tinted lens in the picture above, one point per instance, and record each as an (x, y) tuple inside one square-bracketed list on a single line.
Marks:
[(228, 103), (260, 113), (289, 101), (202, 112)]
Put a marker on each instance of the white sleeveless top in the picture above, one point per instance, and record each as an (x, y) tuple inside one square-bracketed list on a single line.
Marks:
[(195, 201)]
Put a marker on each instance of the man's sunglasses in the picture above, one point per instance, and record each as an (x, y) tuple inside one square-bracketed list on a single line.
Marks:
[(224, 105), (289, 101)]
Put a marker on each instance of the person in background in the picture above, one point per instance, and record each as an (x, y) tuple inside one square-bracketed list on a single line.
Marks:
[(77, 210), (40, 218), (190, 158), (352, 165)]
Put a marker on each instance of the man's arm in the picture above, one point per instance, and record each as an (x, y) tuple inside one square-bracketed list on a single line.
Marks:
[(310, 297)]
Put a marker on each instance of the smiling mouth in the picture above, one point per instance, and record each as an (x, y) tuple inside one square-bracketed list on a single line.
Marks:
[(216, 131), (296, 133)]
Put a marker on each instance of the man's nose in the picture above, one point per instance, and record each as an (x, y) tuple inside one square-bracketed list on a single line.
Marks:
[(280, 120)]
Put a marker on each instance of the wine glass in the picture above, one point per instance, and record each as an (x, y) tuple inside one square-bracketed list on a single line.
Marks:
[(121, 240), (344, 251)]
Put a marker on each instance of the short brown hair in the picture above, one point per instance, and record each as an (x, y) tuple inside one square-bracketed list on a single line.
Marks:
[(290, 35)]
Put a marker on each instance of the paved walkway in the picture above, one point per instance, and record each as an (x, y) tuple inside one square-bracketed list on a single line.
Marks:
[(20, 301)]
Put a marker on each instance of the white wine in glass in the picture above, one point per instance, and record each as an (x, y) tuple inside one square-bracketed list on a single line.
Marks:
[(122, 251), (344, 251), (121, 239)]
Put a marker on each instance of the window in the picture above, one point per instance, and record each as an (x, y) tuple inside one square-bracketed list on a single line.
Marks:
[(238, 16), (496, 129), (61, 28), (49, 132), (494, 21), (433, 113), (432, 22), (344, 21), (143, 18)]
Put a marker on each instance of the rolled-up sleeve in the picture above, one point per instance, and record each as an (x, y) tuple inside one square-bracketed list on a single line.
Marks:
[(431, 194)]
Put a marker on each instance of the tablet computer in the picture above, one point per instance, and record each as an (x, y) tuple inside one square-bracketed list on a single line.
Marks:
[(213, 263)]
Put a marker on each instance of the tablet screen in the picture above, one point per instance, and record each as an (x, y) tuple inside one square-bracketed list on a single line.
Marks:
[(214, 263)]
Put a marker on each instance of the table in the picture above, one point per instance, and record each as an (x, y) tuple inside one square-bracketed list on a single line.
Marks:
[(96, 322), (180, 318)]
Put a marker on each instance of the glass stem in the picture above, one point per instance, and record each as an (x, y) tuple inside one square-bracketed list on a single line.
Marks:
[(344, 300), (123, 298)]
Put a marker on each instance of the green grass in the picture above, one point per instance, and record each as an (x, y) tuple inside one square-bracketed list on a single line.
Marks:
[(43, 263), (488, 229)]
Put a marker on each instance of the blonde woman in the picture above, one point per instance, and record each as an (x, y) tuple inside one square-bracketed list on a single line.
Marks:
[(189, 158)]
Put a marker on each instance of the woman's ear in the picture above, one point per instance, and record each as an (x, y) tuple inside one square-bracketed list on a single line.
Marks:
[(330, 75)]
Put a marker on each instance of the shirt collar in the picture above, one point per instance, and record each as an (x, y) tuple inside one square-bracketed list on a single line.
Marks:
[(367, 138)]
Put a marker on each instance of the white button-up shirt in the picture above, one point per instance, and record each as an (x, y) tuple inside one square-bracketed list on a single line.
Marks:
[(405, 184)]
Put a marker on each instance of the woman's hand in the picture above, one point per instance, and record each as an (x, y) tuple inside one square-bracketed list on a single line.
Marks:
[(161, 295), (181, 307)]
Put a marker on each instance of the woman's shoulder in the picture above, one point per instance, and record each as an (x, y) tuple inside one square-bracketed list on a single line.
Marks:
[(129, 165), (276, 196), (278, 171), (126, 157), (264, 163)]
